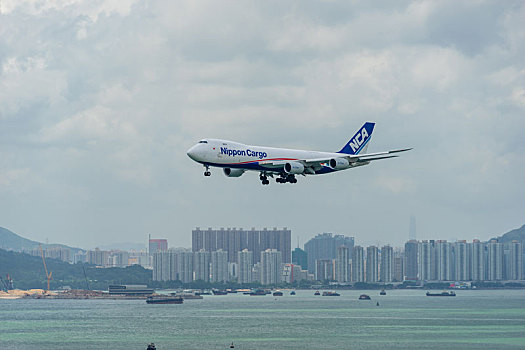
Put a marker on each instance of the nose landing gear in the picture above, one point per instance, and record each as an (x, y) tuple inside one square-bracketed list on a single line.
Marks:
[(207, 172)]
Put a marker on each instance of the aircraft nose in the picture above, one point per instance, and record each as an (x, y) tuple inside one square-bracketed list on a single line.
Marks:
[(192, 153)]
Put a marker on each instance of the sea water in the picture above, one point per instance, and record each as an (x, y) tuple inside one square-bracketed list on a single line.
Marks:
[(404, 319)]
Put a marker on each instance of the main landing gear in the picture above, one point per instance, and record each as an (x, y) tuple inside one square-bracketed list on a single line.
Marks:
[(207, 172), (286, 178), (264, 179)]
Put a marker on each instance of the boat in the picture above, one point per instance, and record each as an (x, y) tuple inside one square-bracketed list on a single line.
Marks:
[(442, 294), (364, 297), (331, 294), (317, 293), (219, 292), (277, 293), (164, 300), (187, 295), (292, 292), (258, 292), (382, 292)]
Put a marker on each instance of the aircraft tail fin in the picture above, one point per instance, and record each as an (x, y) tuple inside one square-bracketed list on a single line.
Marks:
[(359, 142)]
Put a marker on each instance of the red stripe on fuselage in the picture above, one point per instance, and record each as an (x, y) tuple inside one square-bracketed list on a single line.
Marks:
[(261, 160)]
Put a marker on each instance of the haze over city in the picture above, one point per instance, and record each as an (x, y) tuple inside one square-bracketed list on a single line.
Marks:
[(100, 100)]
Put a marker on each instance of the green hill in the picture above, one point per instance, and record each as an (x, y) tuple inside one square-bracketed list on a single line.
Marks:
[(28, 272), (11, 241), (514, 235)]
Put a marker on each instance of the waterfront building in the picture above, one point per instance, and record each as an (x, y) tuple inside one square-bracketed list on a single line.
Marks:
[(324, 247), (183, 265), (495, 261), (219, 266), (342, 264), (444, 261), (324, 270), (293, 273), (411, 263), (300, 257), (386, 269), (245, 258), (399, 259), (358, 264), (426, 260), (233, 240), (515, 270), (201, 265), (462, 261), (478, 260), (372, 264), (271, 266)]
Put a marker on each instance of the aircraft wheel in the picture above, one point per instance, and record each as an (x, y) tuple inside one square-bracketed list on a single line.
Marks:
[(207, 173)]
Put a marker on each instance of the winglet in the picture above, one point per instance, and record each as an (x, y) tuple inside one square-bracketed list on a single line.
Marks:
[(359, 141)]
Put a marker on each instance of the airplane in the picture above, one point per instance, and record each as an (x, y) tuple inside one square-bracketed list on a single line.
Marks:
[(236, 158)]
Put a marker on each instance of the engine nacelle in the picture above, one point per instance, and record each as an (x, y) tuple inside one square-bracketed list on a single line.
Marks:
[(339, 163), (294, 168), (233, 172)]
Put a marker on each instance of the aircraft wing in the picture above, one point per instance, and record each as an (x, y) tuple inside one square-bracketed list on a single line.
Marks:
[(318, 163)]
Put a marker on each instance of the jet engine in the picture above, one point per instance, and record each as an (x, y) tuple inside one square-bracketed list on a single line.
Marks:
[(339, 163), (233, 172), (293, 168)]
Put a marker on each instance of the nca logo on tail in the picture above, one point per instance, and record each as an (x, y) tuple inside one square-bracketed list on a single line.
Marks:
[(358, 140)]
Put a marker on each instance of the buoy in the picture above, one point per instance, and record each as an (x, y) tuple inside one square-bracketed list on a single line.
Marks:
[(231, 346), (151, 347), (377, 304)]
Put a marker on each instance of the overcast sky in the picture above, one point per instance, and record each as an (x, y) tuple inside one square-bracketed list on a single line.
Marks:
[(99, 101)]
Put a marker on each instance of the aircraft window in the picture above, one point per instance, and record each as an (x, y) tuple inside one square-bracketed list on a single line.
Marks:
[(203, 141)]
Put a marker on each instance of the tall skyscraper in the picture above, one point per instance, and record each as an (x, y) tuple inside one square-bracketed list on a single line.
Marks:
[(358, 264), (372, 264), (271, 266), (386, 269), (161, 266), (245, 266), (399, 260), (201, 264), (410, 264), (515, 261), (219, 266), (323, 247), (342, 273), (300, 257)]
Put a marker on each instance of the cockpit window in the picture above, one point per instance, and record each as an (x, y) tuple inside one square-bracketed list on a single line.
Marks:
[(203, 141)]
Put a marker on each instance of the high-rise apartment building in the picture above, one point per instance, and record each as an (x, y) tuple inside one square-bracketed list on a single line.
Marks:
[(411, 263), (324, 270), (444, 261), (324, 246), (300, 257), (495, 261), (515, 270), (342, 264), (477, 260), (245, 258), (372, 264), (271, 266), (386, 269), (426, 261), (201, 264), (219, 266), (358, 264), (234, 240), (462, 261)]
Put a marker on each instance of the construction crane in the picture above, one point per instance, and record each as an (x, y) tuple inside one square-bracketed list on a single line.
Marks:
[(48, 275)]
